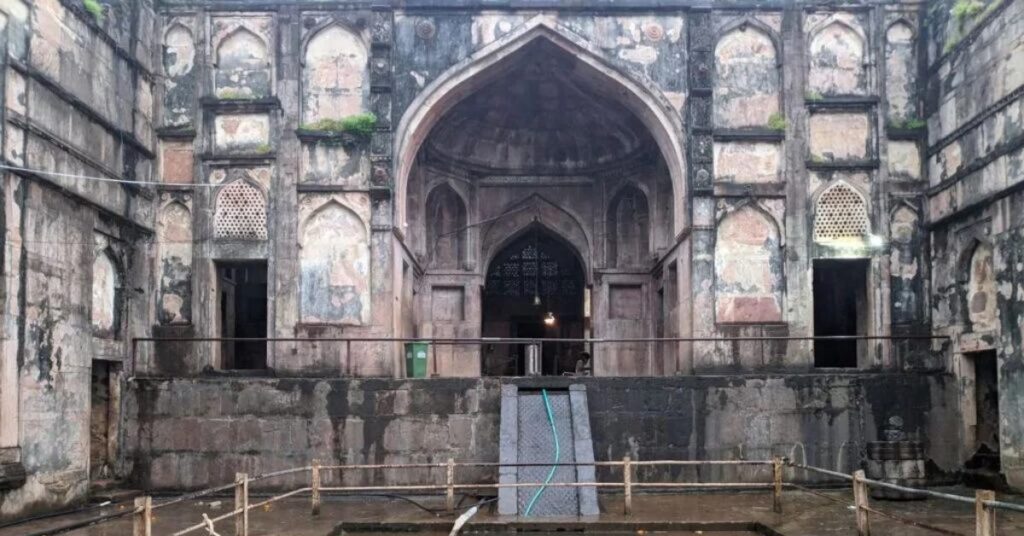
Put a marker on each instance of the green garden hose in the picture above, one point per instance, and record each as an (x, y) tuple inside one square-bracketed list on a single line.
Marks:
[(558, 454)]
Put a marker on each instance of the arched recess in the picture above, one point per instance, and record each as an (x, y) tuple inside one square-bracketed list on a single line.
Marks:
[(179, 51), (840, 213), (838, 59), (905, 265), (537, 210), (242, 69), (900, 71), (335, 267), (979, 295), (240, 211), (484, 65), (106, 294), (174, 238), (446, 228), (749, 279), (628, 228), (748, 82), (334, 74)]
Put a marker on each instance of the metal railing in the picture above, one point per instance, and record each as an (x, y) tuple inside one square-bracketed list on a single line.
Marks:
[(984, 501), (654, 345)]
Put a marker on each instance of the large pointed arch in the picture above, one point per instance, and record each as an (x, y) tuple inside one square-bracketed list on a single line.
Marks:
[(481, 67)]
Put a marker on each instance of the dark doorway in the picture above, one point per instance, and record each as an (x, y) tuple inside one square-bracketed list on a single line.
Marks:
[(986, 405), (103, 420), (840, 308), (534, 289), (242, 292)]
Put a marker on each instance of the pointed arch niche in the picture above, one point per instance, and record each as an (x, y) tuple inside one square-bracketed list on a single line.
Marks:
[(334, 74), (628, 228), (838, 58), (334, 264), (174, 239), (242, 68), (446, 228), (748, 267), (747, 84)]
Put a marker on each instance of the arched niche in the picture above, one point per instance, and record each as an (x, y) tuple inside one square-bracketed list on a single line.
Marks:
[(179, 51), (240, 211), (446, 228), (483, 66), (901, 72), (628, 228), (335, 267), (905, 265), (174, 240), (243, 66), (837, 60), (982, 313), (747, 85), (106, 289), (841, 213), (334, 74), (748, 268)]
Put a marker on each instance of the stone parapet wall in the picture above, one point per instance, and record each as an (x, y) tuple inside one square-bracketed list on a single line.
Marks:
[(194, 433)]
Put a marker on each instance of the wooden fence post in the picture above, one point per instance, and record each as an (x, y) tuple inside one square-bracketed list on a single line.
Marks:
[(777, 481), (627, 483), (449, 492), (984, 517), (315, 487), (142, 521), (860, 499), (241, 504)]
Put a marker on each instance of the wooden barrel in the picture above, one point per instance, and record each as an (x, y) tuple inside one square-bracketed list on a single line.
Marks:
[(896, 462)]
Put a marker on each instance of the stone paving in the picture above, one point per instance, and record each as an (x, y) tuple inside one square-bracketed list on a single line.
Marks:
[(708, 513)]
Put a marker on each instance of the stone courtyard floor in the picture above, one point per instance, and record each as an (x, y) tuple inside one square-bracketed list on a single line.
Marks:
[(734, 514)]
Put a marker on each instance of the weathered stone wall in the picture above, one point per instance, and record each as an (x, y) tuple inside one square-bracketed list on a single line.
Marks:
[(78, 101), (193, 433), (974, 160)]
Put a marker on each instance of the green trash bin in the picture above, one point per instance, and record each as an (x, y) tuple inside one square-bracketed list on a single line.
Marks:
[(416, 359)]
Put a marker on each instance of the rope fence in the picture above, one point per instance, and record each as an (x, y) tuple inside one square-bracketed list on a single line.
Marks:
[(984, 501)]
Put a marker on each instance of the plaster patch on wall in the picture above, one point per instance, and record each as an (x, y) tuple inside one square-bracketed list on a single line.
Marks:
[(747, 162), (242, 132), (176, 161), (748, 268), (840, 136), (334, 74), (904, 160), (492, 26), (747, 85), (335, 164), (335, 265)]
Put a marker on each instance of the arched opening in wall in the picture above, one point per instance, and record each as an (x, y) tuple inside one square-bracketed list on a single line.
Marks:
[(628, 228), (541, 133), (446, 228), (534, 289)]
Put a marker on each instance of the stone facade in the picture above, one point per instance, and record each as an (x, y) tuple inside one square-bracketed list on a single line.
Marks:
[(660, 169)]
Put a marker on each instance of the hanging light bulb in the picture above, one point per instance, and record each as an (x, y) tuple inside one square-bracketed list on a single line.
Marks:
[(536, 300), (549, 319)]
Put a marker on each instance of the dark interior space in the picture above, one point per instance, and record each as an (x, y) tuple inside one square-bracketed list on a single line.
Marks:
[(103, 417), (242, 290), (534, 289), (840, 308), (986, 407)]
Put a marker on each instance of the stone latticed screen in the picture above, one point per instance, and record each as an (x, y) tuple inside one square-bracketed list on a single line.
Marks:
[(241, 212), (841, 213)]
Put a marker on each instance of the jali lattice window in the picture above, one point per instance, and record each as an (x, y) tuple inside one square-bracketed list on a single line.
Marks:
[(535, 265), (241, 212), (841, 213)]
